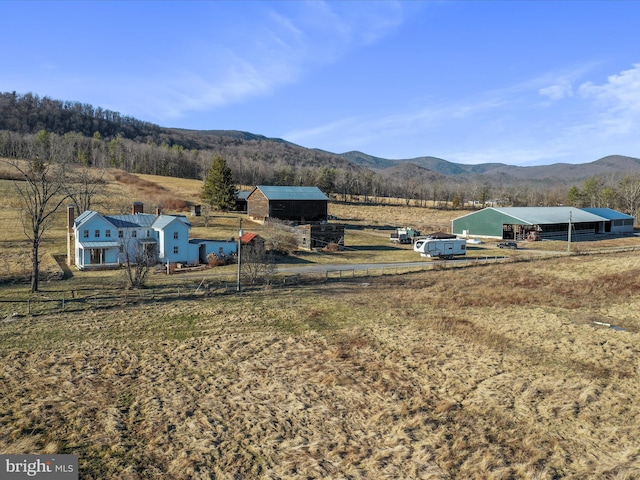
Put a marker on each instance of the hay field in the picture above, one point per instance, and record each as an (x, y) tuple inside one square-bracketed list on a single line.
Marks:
[(494, 372)]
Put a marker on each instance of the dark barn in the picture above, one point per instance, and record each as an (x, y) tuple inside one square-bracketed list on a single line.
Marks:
[(241, 200), (297, 204)]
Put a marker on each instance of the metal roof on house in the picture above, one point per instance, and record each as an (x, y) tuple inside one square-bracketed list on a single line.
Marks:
[(144, 220), (549, 215), (163, 220), (84, 216), (609, 213), (242, 194), (136, 220), (104, 244), (292, 193)]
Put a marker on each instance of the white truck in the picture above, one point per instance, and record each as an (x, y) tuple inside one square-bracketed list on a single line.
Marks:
[(403, 235), (445, 248)]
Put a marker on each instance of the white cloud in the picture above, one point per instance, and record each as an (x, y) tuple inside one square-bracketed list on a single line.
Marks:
[(285, 46), (560, 90), (615, 111), (620, 93), (559, 85), (416, 126), (503, 125), (273, 46)]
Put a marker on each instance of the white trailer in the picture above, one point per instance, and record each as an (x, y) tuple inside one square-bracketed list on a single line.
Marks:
[(445, 248)]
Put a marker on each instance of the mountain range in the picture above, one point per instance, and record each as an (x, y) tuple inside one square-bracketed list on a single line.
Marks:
[(429, 168), (27, 114), (563, 173)]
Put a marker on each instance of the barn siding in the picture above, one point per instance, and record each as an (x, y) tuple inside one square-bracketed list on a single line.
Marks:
[(259, 207), (485, 222)]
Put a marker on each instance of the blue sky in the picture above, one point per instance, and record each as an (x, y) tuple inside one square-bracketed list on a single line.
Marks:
[(516, 82)]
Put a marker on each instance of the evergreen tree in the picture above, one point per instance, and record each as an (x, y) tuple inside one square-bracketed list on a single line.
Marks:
[(218, 189)]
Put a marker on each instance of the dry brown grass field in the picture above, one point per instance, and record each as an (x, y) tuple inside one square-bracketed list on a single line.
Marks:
[(496, 371)]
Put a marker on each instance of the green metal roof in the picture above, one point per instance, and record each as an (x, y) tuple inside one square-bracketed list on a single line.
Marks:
[(609, 213), (489, 221), (292, 193)]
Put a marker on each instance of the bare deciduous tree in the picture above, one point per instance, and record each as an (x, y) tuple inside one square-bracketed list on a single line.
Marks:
[(629, 191), (83, 186), (281, 237), (138, 260), (258, 265), (42, 191)]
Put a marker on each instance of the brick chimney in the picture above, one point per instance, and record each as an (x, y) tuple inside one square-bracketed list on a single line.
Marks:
[(71, 216), (137, 207)]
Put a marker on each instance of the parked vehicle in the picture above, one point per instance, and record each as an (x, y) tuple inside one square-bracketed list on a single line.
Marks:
[(403, 235), (445, 248), (512, 245)]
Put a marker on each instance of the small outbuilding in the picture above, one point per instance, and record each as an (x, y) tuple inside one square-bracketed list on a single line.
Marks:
[(520, 223), (320, 235), (241, 200), (297, 204)]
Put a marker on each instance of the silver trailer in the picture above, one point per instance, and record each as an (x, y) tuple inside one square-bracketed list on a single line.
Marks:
[(445, 248)]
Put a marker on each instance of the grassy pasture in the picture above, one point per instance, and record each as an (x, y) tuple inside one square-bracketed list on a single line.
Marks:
[(496, 371), (500, 373)]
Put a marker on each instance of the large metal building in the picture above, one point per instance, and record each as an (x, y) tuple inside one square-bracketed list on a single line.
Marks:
[(519, 223)]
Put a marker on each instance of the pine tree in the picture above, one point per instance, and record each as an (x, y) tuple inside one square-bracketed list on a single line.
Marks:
[(218, 189)]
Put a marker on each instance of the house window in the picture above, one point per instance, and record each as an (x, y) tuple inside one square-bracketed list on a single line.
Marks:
[(134, 233), (148, 233), (85, 233), (175, 250), (97, 234), (175, 235), (120, 234), (107, 234)]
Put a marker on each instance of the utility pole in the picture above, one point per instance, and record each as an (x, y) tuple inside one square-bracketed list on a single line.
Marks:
[(569, 235), (240, 233)]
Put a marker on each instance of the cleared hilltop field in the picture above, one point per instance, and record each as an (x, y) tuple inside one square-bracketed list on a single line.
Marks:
[(495, 371)]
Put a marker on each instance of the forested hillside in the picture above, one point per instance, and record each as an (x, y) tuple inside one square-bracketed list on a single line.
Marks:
[(81, 134)]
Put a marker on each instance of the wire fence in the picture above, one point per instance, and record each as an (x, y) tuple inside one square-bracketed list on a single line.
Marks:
[(192, 287)]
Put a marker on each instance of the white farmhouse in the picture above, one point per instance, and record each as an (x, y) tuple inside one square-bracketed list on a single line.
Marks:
[(106, 241)]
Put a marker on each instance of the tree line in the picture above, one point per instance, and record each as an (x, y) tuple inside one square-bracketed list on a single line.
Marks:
[(78, 134)]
